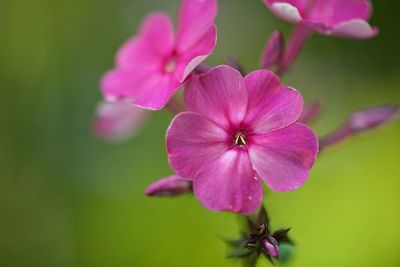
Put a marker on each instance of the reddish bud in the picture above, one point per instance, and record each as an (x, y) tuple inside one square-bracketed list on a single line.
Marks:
[(270, 246), (169, 186), (273, 50)]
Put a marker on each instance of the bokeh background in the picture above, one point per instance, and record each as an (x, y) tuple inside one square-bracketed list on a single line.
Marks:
[(69, 199)]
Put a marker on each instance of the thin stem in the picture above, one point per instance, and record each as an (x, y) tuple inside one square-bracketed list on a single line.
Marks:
[(296, 43)]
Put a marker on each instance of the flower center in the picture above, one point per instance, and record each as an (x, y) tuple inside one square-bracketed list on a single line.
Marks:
[(170, 65), (240, 139)]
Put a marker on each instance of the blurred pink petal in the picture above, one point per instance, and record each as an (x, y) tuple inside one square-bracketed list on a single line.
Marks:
[(169, 186), (153, 65), (118, 121), (196, 17), (239, 129), (345, 18), (199, 52), (273, 51)]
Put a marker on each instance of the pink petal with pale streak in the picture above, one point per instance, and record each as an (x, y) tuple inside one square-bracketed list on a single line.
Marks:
[(271, 105), (117, 121), (196, 17), (229, 183), (289, 10), (283, 158), (356, 28), (194, 141), (146, 89), (198, 53), (169, 186), (220, 95), (148, 49)]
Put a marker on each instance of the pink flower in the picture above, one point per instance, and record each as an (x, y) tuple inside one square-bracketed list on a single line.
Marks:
[(117, 121), (154, 64), (345, 18), (236, 132)]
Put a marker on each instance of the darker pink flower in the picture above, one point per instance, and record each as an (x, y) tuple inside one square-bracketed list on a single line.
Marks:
[(236, 132), (154, 64), (345, 18)]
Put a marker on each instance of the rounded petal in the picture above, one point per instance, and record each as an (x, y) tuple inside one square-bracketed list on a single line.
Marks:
[(355, 28), (229, 183), (220, 95), (197, 54), (271, 106), (117, 121), (145, 89), (283, 158), (148, 49), (288, 10), (196, 17), (194, 141)]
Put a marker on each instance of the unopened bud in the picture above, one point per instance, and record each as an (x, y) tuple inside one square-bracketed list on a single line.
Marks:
[(169, 186), (372, 117), (273, 50), (270, 245), (360, 121), (310, 111)]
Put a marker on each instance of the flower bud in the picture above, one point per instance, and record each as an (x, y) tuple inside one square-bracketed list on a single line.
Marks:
[(169, 186), (372, 117), (270, 245), (310, 111), (117, 121), (360, 121), (273, 50)]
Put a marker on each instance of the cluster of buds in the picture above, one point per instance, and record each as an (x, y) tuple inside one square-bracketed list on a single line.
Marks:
[(260, 240)]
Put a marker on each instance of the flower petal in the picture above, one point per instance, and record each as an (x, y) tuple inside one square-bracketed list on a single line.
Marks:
[(336, 11), (117, 121), (220, 95), (288, 10), (283, 158), (194, 141), (355, 28), (145, 89), (271, 105), (148, 49), (196, 17), (229, 183), (197, 54)]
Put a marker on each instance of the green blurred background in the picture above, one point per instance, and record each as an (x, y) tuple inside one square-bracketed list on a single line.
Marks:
[(68, 199)]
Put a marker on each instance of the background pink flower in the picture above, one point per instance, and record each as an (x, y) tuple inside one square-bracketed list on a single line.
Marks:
[(117, 121), (154, 64), (236, 131), (346, 18)]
